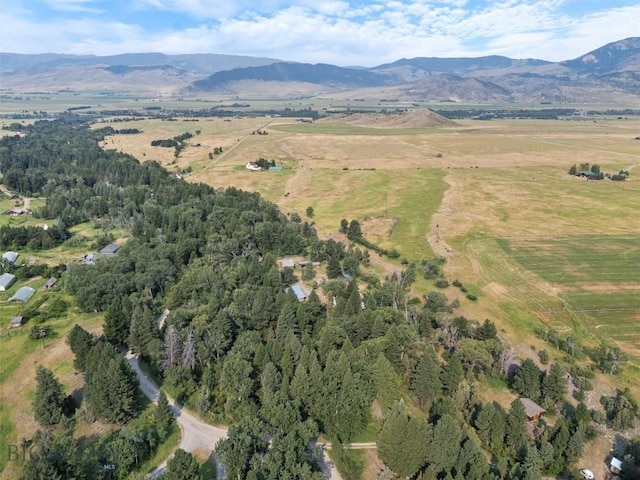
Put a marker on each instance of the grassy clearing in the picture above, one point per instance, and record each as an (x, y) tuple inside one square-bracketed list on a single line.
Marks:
[(19, 357)]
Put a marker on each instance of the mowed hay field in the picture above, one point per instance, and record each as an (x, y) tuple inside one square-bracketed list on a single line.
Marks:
[(536, 245)]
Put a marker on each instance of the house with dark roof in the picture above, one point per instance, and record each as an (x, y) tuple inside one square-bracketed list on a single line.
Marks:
[(6, 280), (23, 294), (532, 409)]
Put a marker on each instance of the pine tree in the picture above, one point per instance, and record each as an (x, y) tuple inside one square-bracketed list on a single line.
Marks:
[(452, 375), (117, 321), (333, 267), (527, 380), (425, 381), (403, 442), (354, 232), (516, 427), (446, 446), (385, 381), (80, 341), (554, 385), (49, 398), (163, 414), (182, 466)]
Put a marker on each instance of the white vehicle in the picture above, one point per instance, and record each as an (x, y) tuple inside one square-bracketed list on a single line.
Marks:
[(588, 474)]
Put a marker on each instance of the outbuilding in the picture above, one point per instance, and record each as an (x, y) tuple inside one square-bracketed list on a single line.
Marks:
[(111, 249), (299, 290), (17, 321), (532, 409), (6, 280), (23, 294), (9, 257), (287, 263), (49, 283)]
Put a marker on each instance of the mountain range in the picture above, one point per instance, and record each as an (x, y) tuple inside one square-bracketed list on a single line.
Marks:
[(610, 74)]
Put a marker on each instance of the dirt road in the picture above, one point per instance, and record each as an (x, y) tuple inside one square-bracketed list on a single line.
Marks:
[(197, 436), (200, 437)]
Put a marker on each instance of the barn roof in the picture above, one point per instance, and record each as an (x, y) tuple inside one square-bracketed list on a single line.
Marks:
[(23, 294), (10, 257), (532, 408), (7, 279), (17, 321)]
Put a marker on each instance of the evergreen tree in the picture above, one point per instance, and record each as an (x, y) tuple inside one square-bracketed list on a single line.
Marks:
[(385, 381), (333, 267), (117, 321), (143, 332), (554, 385), (403, 441), (446, 446), (163, 415), (425, 381), (526, 380), (182, 466), (49, 398), (516, 428), (80, 341), (452, 375), (344, 225), (354, 232)]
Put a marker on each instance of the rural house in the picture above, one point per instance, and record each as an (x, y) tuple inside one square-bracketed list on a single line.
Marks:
[(6, 280), (532, 409)]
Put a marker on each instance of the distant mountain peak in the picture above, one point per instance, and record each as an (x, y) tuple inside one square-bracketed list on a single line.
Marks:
[(614, 57)]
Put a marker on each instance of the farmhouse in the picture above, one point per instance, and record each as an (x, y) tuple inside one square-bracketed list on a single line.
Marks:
[(6, 280), (9, 257), (17, 321), (532, 409), (49, 283)]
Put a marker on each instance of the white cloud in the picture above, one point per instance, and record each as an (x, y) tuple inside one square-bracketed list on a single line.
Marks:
[(329, 31)]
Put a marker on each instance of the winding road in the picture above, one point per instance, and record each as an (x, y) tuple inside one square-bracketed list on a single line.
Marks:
[(197, 436), (201, 438)]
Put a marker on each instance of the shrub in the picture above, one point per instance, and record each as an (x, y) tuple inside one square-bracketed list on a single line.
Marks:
[(442, 283), (472, 297)]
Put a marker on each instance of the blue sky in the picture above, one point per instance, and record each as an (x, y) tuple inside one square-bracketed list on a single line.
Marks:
[(342, 32)]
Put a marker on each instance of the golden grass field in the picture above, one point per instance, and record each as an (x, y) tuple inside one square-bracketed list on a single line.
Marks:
[(465, 192)]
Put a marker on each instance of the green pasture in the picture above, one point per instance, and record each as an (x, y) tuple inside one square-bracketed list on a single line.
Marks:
[(570, 260), (410, 196)]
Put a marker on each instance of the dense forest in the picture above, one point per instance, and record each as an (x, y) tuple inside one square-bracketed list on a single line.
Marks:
[(240, 349)]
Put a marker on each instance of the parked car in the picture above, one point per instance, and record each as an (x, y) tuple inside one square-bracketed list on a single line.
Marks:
[(587, 474)]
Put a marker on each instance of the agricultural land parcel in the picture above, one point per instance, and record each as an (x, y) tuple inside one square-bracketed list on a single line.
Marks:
[(534, 243)]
